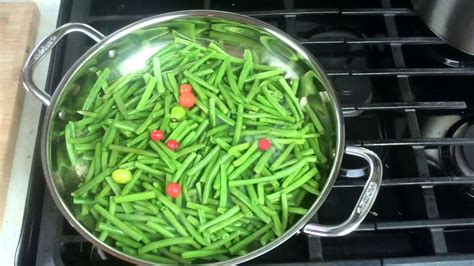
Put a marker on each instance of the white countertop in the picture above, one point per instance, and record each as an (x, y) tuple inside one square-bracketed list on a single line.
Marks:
[(16, 195)]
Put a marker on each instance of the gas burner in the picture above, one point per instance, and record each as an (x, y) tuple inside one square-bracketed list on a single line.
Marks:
[(351, 90), (454, 159), (461, 156), (449, 56)]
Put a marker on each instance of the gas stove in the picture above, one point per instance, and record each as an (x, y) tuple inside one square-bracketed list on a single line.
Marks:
[(405, 93)]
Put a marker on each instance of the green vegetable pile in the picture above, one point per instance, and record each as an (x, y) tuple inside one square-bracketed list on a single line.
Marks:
[(234, 196)]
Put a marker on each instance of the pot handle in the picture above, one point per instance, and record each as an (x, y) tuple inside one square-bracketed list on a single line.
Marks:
[(45, 46), (365, 202)]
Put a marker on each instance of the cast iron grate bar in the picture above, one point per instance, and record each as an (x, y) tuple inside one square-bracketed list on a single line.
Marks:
[(406, 105), (374, 40), (437, 236), (413, 142), (428, 223), (279, 13), (410, 181), (468, 71)]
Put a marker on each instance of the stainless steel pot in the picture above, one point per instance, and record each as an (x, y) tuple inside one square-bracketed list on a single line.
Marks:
[(451, 20), (61, 182)]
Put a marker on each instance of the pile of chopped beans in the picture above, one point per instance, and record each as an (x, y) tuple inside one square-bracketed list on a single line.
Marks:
[(201, 156)]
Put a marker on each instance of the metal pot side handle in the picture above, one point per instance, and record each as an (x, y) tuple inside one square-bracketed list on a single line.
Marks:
[(45, 46), (365, 202)]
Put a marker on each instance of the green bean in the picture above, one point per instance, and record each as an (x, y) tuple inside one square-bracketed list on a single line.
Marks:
[(314, 118), (223, 241), (94, 91), (165, 243), (87, 113), (91, 183), (69, 136), (273, 101), (146, 95), (134, 197), (227, 98), (204, 72), (212, 112), (194, 233), (157, 74), (253, 91), (104, 192), (87, 139), (125, 149), (228, 214), (130, 232), (209, 178), (78, 200), (261, 193), (255, 209), (236, 149), (244, 166), (249, 239), (190, 149), (196, 206), (189, 159), (262, 162), (147, 169), (221, 72), (200, 81), (181, 126), (246, 155), (296, 184), (157, 259), (223, 188), (201, 253), (163, 155), (174, 222), (160, 229), (168, 203), (282, 157), (110, 229), (266, 237), (204, 161), (178, 249), (284, 210), (275, 176), (311, 189), (217, 130), (265, 75), (289, 92), (126, 241), (98, 158), (120, 105), (296, 174), (114, 186), (246, 69), (238, 125)]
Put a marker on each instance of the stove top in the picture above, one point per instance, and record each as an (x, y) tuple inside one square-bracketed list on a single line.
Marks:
[(405, 93)]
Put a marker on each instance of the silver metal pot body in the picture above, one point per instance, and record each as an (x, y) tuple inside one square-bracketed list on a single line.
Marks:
[(452, 20), (61, 184)]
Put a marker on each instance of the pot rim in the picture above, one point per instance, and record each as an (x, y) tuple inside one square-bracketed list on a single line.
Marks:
[(288, 40)]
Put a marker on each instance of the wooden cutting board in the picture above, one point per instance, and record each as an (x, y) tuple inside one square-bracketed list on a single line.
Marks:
[(18, 26)]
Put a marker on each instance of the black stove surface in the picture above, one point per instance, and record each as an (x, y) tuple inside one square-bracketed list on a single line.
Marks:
[(392, 76)]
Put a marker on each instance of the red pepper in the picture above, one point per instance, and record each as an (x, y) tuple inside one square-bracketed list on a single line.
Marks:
[(156, 135), (172, 144), (173, 190), (264, 144)]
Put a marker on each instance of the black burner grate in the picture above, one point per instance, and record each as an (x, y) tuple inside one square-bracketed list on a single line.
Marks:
[(423, 213)]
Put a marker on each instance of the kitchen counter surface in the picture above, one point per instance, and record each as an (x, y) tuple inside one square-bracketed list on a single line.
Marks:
[(18, 185)]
